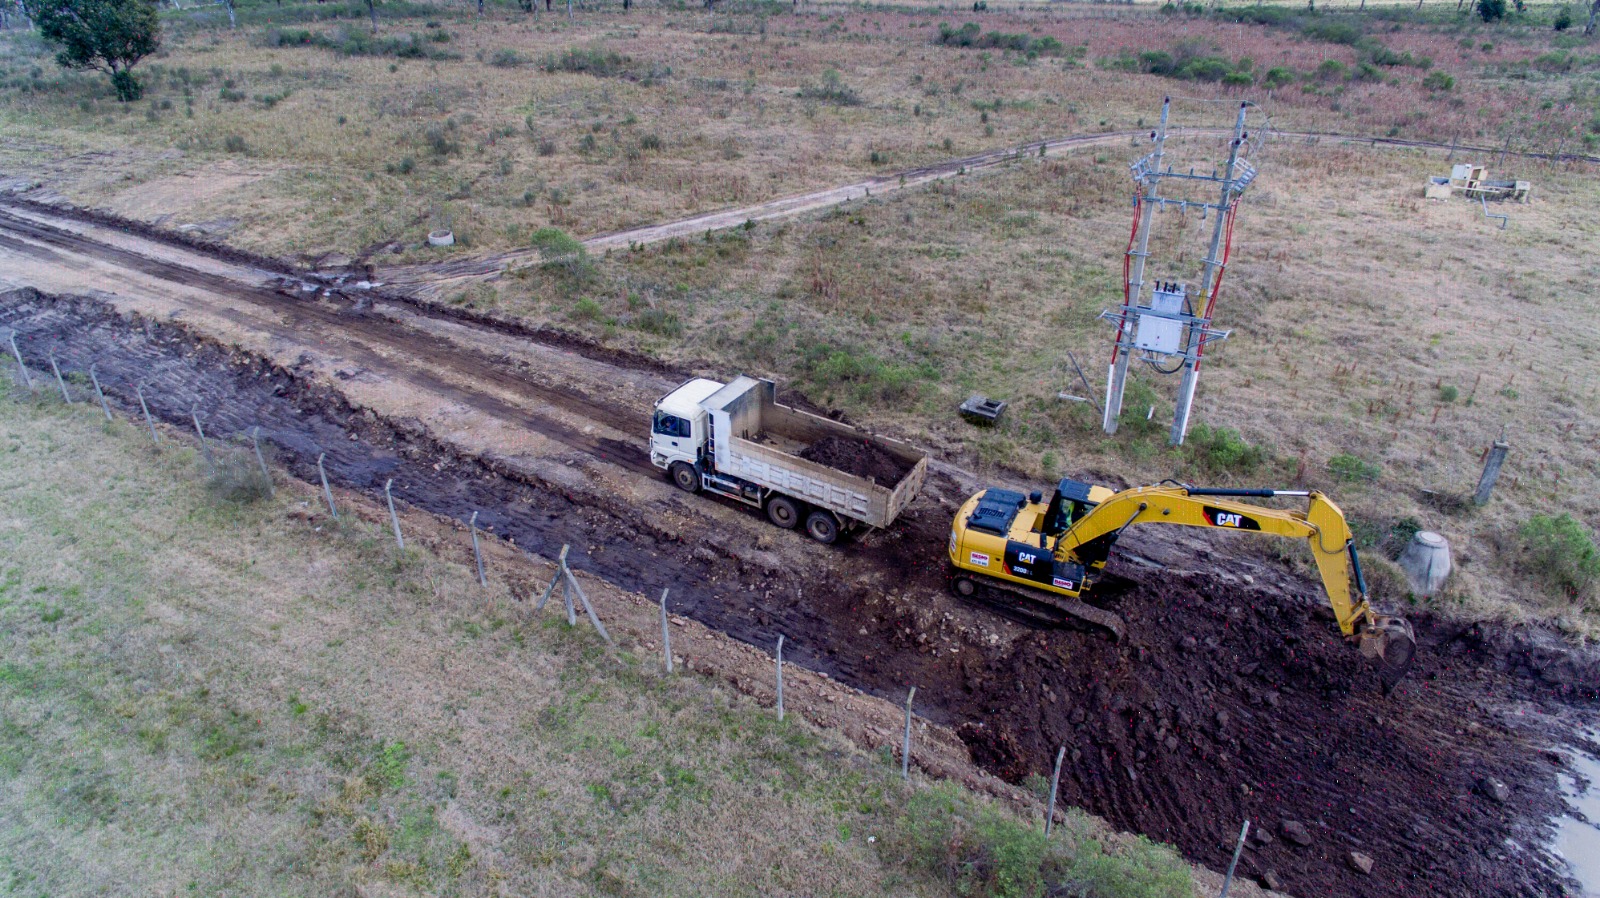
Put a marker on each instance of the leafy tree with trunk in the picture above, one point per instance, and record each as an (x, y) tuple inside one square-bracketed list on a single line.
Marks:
[(108, 35), (1594, 9)]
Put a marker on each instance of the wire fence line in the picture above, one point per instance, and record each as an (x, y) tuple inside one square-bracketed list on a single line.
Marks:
[(248, 444)]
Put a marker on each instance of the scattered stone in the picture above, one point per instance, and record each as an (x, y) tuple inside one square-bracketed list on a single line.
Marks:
[(1222, 718), (1359, 863), (1296, 832), (1261, 837), (1270, 880), (1494, 790)]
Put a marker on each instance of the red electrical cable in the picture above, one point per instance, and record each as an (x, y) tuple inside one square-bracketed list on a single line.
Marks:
[(1127, 262), (1211, 301)]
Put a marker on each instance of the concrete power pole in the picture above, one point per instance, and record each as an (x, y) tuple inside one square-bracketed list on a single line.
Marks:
[(1169, 323), (1117, 380), (1195, 338)]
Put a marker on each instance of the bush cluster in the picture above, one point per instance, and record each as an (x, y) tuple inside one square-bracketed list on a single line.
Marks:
[(980, 851), (1560, 551), (353, 41), (969, 35)]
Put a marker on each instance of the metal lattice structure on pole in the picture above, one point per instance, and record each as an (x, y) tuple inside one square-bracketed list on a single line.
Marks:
[(1168, 326)]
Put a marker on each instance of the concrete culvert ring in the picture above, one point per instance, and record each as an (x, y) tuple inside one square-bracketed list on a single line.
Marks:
[(441, 238)]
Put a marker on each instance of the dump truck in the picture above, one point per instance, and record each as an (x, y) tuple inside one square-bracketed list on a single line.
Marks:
[(735, 440)]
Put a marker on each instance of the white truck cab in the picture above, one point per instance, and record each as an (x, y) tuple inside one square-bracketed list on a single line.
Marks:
[(736, 441), (679, 428)]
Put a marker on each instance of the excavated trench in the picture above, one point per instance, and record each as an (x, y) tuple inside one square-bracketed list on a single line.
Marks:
[(1229, 700)]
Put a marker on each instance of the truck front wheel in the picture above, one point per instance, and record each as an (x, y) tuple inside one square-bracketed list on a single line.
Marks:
[(822, 526), (685, 477), (783, 512)]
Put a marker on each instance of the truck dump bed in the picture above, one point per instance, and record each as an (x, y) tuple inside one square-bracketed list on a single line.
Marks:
[(755, 438)]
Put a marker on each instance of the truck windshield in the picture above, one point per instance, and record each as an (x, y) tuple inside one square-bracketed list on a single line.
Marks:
[(670, 425)]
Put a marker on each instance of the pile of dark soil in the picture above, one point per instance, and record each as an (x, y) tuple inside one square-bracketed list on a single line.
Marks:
[(861, 458), (1232, 704)]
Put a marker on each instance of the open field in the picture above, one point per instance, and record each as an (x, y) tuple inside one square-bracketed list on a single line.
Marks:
[(299, 134)]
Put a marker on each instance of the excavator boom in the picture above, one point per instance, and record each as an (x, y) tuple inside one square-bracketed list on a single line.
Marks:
[(1079, 544)]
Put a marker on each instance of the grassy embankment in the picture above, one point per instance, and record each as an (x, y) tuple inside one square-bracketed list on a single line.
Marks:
[(204, 696)]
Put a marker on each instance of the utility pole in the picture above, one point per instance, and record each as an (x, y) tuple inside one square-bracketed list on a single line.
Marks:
[(1169, 326), (1195, 337), (1117, 379)]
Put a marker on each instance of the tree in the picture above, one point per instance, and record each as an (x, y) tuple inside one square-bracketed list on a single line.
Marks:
[(1594, 8), (108, 35)]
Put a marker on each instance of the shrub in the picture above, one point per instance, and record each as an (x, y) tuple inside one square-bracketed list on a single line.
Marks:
[(1353, 469), (977, 850), (1448, 393), (831, 90), (1563, 18), (440, 142), (1438, 81), (1334, 31), (650, 141), (237, 478), (1238, 79), (506, 58), (1278, 76), (1492, 10), (1332, 70), (563, 254), (864, 376), (233, 143), (1560, 551), (659, 322), (590, 61), (1221, 450)]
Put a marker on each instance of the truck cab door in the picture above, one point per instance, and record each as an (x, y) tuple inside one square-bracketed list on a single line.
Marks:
[(672, 438)]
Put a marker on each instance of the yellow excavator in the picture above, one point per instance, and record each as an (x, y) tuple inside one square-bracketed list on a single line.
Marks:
[(1050, 552)]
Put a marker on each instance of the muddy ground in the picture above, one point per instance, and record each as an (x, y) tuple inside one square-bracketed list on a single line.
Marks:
[(1232, 698)]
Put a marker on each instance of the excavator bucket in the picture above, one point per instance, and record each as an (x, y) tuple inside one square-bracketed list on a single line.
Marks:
[(1392, 645)]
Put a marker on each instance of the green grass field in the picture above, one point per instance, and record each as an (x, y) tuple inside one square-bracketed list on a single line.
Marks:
[(211, 698)]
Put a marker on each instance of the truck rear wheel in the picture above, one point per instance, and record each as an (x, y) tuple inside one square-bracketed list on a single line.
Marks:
[(685, 477), (822, 526), (783, 512)]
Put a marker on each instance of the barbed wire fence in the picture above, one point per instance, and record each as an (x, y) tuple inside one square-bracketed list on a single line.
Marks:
[(240, 471)]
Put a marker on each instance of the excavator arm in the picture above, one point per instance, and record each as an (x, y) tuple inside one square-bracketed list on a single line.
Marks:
[(1389, 640)]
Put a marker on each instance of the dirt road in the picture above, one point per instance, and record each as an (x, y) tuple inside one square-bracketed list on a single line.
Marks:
[(433, 281), (1233, 697)]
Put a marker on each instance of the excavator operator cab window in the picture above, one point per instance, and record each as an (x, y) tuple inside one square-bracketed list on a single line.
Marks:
[(1067, 507)]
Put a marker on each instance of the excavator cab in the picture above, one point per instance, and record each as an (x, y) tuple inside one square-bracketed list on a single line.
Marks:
[(1070, 503)]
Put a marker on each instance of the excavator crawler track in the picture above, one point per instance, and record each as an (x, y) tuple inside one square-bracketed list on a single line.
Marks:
[(1041, 608)]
